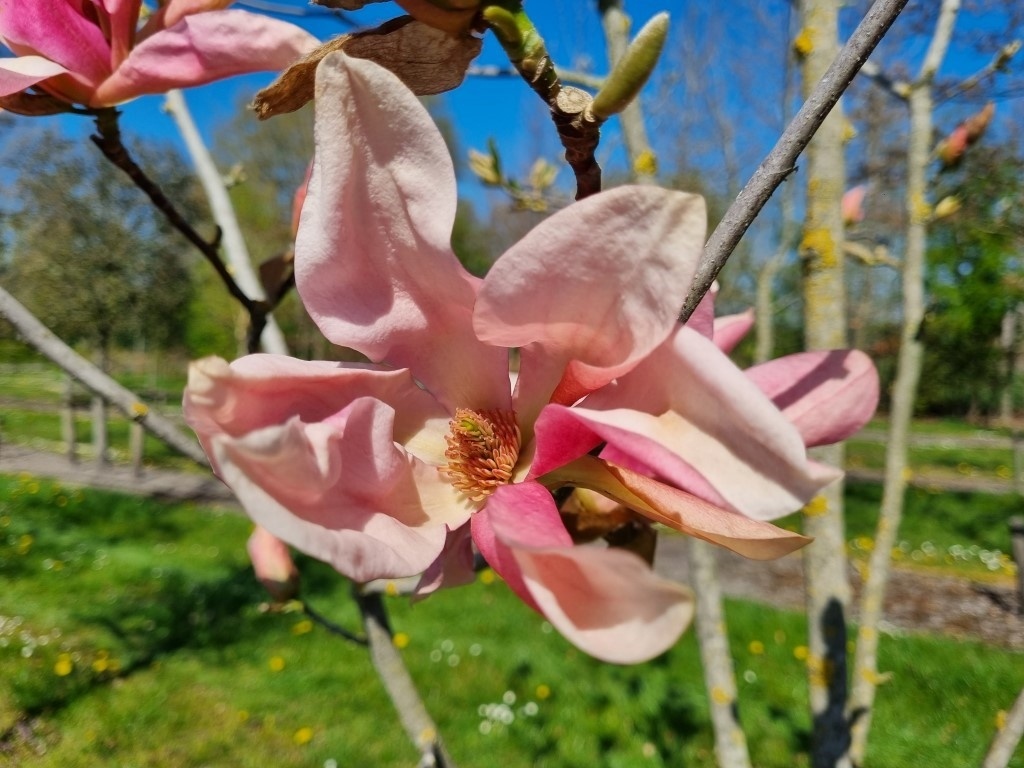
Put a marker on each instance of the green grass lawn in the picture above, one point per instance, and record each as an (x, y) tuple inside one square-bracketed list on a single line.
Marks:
[(132, 635)]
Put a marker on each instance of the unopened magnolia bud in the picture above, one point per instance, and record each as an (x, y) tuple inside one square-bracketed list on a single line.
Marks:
[(632, 70), (273, 565), (484, 168), (852, 205), (947, 206), (976, 124), (542, 174), (951, 149)]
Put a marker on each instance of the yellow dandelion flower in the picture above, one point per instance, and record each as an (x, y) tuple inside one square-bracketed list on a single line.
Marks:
[(303, 627), (276, 663), (542, 692), (756, 647), (400, 640), (64, 666), (487, 576), (303, 735), (801, 652)]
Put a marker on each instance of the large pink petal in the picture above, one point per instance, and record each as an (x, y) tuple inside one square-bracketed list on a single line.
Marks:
[(827, 395), (258, 391), (170, 13), (122, 19), (203, 48), (57, 30), (607, 602), (592, 290), (373, 260), (18, 74), (731, 329), (342, 491), (690, 415), (453, 567), (679, 510)]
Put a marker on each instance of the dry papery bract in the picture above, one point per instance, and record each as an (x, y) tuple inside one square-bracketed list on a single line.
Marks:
[(427, 60)]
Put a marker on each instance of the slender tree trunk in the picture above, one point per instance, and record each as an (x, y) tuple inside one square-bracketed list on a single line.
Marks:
[(821, 249), (1008, 341), (904, 390), (642, 161), (272, 339), (1000, 751), (719, 675)]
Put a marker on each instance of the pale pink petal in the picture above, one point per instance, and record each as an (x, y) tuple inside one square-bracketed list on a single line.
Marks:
[(373, 259), (342, 491), (679, 510), (203, 48), (265, 390), (18, 74), (273, 564), (731, 329), (703, 318), (827, 395), (690, 415), (453, 567), (121, 22), (592, 290), (607, 602), (59, 31)]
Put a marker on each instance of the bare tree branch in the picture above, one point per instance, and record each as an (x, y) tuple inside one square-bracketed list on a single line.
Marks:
[(109, 141), (1000, 751), (232, 240), (76, 366), (780, 162), (416, 721)]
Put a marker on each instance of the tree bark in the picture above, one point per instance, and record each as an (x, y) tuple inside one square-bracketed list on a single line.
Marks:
[(904, 392), (821, 250)]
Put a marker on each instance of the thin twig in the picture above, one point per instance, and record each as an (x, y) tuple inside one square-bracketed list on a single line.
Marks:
[(330, 626), (109, 141), (401, 689), (780, 162)]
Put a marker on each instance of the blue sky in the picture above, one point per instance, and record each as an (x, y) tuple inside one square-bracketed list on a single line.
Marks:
[(749, 36), (504, 108)]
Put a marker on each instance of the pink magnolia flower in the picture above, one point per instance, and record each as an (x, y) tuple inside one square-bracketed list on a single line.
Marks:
[(94, 52), (396, 468)]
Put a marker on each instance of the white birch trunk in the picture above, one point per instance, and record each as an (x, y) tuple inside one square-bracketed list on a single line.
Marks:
[(904, 392)]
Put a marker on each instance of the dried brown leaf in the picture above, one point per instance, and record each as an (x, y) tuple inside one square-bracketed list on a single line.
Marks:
[(426, 59)]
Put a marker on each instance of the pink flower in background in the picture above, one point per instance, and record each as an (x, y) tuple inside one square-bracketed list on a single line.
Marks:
[(396, 468), (852, 204), (273, 565), (94, 52)]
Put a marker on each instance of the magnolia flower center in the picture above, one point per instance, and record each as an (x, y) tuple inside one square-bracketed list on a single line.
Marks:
[(483, 447)]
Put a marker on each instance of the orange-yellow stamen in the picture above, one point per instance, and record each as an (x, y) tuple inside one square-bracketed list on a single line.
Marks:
[(483, 447)]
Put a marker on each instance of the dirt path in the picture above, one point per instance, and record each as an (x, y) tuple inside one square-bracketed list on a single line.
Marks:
[(915, 601)]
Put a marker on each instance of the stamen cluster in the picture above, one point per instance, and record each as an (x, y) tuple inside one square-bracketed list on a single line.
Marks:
[(483, 447)]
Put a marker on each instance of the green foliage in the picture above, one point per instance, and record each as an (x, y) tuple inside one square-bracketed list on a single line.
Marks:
[(147, 647), (975, 278), (87, 253)]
